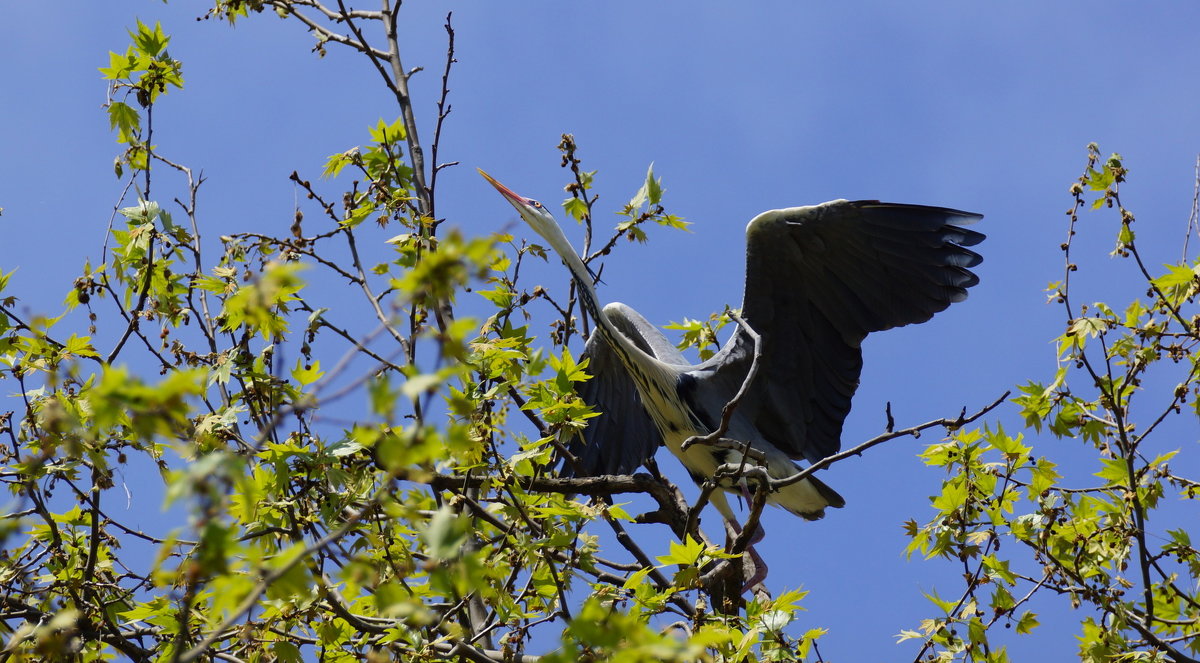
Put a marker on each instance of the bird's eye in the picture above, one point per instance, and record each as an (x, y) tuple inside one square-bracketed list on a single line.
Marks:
[(535, 204)]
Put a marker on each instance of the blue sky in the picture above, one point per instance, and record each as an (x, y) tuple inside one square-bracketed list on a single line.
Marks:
[(741, 107)]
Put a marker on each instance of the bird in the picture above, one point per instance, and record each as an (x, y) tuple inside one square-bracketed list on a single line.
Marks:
[(819, 279)]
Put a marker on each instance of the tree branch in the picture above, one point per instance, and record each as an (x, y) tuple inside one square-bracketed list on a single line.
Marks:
[(913, 431)]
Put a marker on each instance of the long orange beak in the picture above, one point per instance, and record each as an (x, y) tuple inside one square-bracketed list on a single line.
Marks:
[(504, 191)]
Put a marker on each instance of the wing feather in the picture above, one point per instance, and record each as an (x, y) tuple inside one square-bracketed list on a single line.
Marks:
[(818, 280)]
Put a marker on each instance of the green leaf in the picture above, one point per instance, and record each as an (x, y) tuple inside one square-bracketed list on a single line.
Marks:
[(1179, 282), (445, 534), (1176, 275), (1090, 326), (419, 385), (79, 345), (119, 65), (336, 162), (685, 553), (260, 306), (359, 213), (654, 189), (294, 583), (976, 631), (617, 511), (637, 578), (1115, 471), (672, 221), (286, 652), (150, 41), (1100, 180), (124, 119), (501, 296), (649, 193), (214, 285), (998, 568), (1027, 622), (145, 212), (388, 133), (953, 496), (306, 375), (944, 605), (1163, 458), (1125, 235), (1009, 446), (576, 207), (1002, 599), (1043, 477)]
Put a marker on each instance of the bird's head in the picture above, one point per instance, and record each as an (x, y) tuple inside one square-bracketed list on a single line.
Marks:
[(540, 219), (533, 212)]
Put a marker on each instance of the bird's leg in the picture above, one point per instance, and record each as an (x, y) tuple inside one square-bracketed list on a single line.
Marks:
[(759, 532), (760, 571), (758, 565)]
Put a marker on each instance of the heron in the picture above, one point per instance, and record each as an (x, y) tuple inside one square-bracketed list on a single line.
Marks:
[(818, 280)]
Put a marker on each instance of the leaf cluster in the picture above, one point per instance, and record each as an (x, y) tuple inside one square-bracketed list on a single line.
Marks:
[(213, 381), (1117, 546), (144, 71)]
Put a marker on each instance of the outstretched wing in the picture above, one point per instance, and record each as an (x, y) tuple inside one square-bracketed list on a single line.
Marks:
[(818, 280), (623, 436)]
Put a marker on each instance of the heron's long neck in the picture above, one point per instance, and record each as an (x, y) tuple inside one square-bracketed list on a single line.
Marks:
[(656, 382), (630, 354)]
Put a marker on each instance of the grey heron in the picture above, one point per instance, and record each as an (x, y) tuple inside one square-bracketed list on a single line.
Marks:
[(818, 280)]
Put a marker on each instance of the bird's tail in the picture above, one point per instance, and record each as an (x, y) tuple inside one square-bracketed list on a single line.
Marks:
[(808, 498)]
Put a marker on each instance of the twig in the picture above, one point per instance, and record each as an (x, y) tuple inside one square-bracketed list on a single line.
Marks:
[(325, 34), (415, 153), (630, 545), (750, 527), (731, 405), (443, 112), (251, 599), (914, 431), (607, 484), (1194, 216), (34, 615)]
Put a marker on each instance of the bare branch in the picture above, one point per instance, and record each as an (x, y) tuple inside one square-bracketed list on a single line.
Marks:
[(913, 431), (727, 411), (202, 648), (443, 112), (325, 34)]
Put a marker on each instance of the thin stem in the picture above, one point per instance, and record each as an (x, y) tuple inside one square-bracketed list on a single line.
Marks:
[(913, 431)]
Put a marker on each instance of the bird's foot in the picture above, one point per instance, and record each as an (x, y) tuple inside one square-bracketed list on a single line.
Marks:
[(758, 572)]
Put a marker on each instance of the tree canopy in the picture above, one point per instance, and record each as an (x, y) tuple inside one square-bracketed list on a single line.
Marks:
[(354, 418)]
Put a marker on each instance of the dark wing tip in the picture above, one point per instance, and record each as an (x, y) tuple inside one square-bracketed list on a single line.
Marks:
[(949, 214)]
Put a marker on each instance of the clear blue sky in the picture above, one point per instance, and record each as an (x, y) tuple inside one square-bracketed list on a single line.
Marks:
[(742, 107)]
